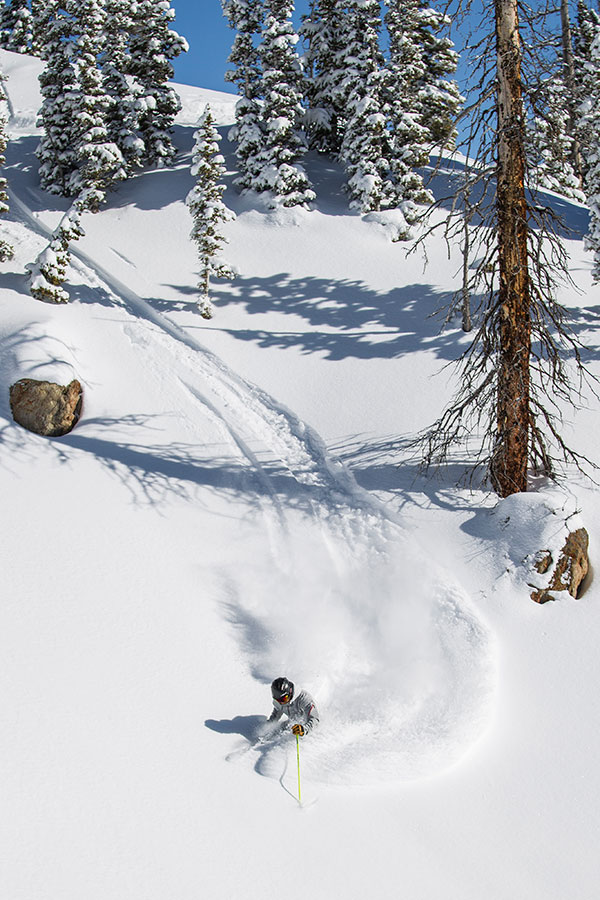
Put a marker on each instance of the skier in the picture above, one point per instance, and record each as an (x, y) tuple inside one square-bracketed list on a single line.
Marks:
[(298, 706)]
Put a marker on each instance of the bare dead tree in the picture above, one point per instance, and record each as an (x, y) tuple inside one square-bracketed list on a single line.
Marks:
[(516, 373), (508, 466)]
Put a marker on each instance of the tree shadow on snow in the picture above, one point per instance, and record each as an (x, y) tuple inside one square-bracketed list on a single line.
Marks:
[(392, 466), (347, 319), (153, 472)]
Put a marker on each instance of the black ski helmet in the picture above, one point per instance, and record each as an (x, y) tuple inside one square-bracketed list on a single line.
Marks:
[(280, 687)]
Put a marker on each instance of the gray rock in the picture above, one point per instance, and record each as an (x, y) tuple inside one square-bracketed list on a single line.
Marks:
[(46, 408)]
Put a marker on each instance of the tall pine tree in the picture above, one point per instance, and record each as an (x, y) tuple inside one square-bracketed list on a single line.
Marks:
[(75, 152), (122, 115), (6, 250), (283, 143), (590, 125), (365, 149), (410, 136), (550, 140), (99, 160), (205, 202), (586, 33), (16, 26), (246, 17), (42, 14), (57, 150), (323, 30), (153, 44)]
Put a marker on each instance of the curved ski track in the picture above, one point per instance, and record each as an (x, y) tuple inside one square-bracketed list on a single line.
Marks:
[(249, 415)]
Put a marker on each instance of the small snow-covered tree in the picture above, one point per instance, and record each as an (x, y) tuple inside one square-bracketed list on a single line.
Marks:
[(152, 46), (122, 115), (6, 250), (205, 202), (49, 272), (16, 26), (283, 144), (246, 17)]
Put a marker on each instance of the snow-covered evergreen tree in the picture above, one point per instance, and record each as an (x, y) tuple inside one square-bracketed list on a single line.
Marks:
[(246, 17), (205, 202), (6, 250), (75, 153), (152, 46), (440, 95), (283, 143), (590, 123), (122, 116), (99, 160), (421, 60), (16, 26), (49, 272), (587, 32), (323, 32), (410, 136), (57, 150), (550, 142), (42, 14), (365, 150)]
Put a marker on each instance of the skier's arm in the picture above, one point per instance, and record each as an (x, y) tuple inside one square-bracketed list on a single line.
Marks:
[(276, 714), (310, 713), (312, 719)]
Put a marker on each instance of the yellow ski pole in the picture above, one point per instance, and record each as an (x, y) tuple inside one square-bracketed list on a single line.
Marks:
[(298, 755)]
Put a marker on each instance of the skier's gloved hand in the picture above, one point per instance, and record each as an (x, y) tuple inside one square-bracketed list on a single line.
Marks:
[(298, 729)]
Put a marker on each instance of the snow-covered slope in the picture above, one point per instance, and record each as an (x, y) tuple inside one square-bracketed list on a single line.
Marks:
[(229, 509)]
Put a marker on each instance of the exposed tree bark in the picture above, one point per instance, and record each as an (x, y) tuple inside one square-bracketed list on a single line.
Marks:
[(508, 467)]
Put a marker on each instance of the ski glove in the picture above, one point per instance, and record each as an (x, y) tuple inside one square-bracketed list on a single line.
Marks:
[(298, 729)]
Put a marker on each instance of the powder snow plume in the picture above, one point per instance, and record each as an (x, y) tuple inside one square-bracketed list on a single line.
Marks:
[(401, 666)]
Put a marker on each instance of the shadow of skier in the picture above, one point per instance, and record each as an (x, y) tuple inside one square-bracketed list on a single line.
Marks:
[(249, 727), (272, 749)]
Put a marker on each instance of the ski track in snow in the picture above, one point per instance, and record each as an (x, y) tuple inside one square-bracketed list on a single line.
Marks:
[(347, 604)]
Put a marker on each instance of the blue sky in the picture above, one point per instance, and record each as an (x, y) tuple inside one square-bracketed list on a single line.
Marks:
[(205, 28)]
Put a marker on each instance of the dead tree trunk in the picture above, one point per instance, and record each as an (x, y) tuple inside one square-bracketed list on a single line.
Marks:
[(508, 468)]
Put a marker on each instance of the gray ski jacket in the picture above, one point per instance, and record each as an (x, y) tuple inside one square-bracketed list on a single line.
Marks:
[(301, 710)]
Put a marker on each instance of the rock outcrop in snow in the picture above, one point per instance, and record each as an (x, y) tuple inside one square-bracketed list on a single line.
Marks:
[(570, 569), (46, 408)]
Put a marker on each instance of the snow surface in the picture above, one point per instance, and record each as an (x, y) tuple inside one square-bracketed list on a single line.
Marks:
[(231, 508)]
